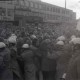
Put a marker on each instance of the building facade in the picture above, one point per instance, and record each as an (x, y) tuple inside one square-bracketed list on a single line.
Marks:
[(49, 13), (7, 10), (36, 8), (36, 12)]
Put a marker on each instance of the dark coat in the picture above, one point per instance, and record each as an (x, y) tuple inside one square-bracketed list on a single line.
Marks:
[(73, 72), (48, 62), (63, 60), (14, 64), (5, 68), (29, 67)]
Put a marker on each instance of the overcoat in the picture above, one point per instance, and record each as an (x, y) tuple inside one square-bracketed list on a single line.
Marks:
[(5, 66)]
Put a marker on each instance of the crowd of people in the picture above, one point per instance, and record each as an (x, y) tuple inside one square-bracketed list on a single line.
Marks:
[(27, 54)]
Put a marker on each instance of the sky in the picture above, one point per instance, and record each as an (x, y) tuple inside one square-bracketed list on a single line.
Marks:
[(70, 4)]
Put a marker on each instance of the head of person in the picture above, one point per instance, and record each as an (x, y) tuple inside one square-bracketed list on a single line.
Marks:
[(2, 43), (12, 41), (2, 46), (25, 46), (45, 45), (33, 36), (73, 36), (61, 38), (60, 45), (75, 42)]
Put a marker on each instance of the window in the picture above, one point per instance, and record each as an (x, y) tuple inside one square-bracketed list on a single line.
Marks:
[(10, 12), (36, 5), (21, 2), (31, 4), (58, 10), (27, 3), (2, 11), (44, 7), (54, 9), (47, 8), (40, 6), (10, 2), (67, 12), (63, 11), (51, 9)]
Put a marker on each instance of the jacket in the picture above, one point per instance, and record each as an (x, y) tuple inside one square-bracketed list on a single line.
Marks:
[(5, 65), (29, 67), (73, 72)]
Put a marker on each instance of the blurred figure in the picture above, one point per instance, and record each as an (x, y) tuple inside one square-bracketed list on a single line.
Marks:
[(5, 64), (28, 59), (48, 61), (73, 72), (14, 63), (60, 63), (34, 40)]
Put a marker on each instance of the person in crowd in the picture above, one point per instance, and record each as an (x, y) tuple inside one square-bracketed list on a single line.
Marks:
[(60, 62), (28, 59), (5, 68), (14, 63), (20, 42), (73, 72), (48, 61), (34, 40)]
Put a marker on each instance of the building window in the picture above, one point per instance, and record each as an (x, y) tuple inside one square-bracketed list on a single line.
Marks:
[(51, 9), (58, 10), (67, 12), (47, 8), (10, 12), (10, 2), (54, 17), (2, 11), (63, 11), (36, 6), (31, 4), (44, 7), (40, 6), (54, 9), (21, 2), (27, 3)]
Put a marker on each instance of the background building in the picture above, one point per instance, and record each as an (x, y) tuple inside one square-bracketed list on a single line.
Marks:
[(49, 13), (36, 12)]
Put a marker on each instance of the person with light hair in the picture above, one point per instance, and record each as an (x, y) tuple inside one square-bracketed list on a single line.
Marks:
[(73, 36), (14, 63), (73, 72), (5, 68), (60, 63), (28, 60), (61, 38), (60, 43)]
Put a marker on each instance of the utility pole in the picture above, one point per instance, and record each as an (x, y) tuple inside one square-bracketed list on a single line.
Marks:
[(65, 4)]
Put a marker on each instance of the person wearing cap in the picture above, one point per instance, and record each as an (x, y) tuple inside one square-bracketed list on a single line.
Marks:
[(5, 66), (28, 59), (73, 72), (14, 63)]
